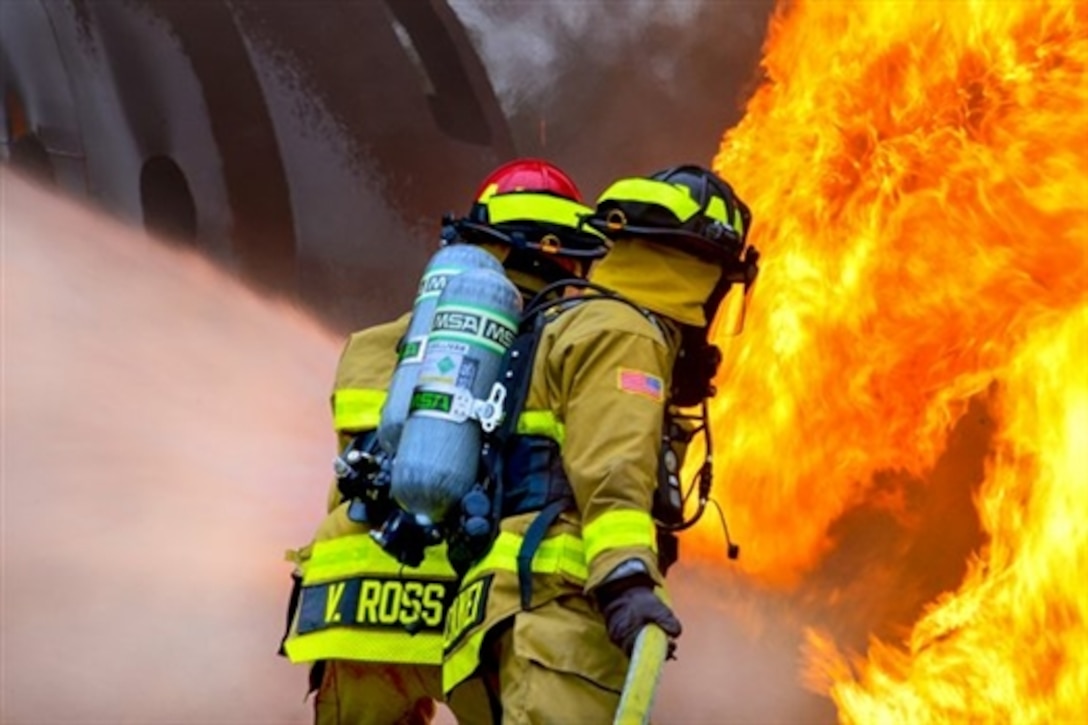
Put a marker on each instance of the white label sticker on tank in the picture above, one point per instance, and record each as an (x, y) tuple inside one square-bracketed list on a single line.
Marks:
[(443, 362)]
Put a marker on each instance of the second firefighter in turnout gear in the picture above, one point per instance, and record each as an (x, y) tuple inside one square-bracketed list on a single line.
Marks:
[(546, 616), (367, 670)]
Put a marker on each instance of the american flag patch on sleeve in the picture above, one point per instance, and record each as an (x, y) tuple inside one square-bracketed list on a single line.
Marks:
[(640, 383)]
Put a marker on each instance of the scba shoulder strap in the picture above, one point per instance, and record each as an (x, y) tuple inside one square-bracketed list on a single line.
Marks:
[(482, 506)]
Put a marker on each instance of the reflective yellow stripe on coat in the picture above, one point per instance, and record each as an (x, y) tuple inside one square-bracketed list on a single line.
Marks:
[(541, 423), (618, 530), (360, 556), (355, 409)]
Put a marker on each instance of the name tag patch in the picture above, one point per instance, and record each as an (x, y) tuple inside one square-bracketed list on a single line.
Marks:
[(374, 603), (467, 611)]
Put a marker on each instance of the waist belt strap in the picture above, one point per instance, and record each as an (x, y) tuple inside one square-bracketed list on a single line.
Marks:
[(292, 607), (534, 536)]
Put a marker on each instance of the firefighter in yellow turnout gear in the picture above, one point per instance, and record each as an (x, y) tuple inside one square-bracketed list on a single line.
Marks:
[(369, 668), (373, 627), (547, 616)]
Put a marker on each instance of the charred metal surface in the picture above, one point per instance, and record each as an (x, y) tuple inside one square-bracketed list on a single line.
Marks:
[(317, 143), (312, 146), (257, 191)]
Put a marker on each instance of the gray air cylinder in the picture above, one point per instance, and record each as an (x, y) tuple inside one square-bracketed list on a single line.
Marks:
[(474, 323), (446, 263)]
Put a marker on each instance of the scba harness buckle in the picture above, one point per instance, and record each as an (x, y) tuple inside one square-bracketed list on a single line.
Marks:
[(490, 412), (458, 405)]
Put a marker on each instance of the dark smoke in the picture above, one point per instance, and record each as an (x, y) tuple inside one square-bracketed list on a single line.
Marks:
[(608, 89)]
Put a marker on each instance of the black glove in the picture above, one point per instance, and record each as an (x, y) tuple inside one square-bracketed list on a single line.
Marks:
[(628, 605)]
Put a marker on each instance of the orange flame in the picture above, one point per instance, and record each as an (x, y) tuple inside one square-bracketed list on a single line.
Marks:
[(1012, 642), (918, 173)]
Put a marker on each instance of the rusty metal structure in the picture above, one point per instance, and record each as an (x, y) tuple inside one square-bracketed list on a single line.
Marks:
[(287, 141), (311, 147)]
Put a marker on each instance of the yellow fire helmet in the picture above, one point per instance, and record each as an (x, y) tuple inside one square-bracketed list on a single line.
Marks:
[(690, 209)]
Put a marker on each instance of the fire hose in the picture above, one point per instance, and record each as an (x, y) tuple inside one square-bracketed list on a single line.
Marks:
[(640, 687)]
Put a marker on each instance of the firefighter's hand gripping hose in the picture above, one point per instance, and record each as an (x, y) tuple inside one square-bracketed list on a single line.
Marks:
[(640, 624), (628, 605), (647, 660)]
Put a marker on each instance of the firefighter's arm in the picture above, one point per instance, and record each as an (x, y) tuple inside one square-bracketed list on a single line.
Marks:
[(614, 389)]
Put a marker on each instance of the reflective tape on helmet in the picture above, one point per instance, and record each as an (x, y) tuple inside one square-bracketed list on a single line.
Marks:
[(541, 423), (359, 554), (357, 409), (618, 530), (530, 207), (487, 192), (676, 198)]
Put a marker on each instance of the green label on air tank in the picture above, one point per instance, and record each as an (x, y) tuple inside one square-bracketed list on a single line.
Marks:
[(430, 400)]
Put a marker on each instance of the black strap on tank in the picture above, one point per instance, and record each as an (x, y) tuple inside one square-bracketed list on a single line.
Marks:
[(516, 372), (518, 375), (547, 299)]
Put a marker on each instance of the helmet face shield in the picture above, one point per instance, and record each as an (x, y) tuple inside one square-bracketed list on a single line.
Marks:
[(734, 309), (737, 284)]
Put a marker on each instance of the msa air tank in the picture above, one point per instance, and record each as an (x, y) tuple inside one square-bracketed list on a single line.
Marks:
[(439, 452), (445, 264)]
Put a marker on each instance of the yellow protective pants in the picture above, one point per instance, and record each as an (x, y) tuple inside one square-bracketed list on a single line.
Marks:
[(553, 664), (361, 693)]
